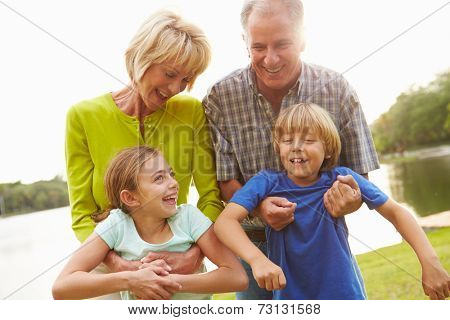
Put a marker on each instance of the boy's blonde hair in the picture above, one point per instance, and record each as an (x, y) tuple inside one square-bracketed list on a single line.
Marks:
[(122, 174), (166, 37), (309, 117)]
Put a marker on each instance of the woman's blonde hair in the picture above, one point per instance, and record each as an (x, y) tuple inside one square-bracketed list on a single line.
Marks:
[(166, 37), (122, 174), (309, 117)]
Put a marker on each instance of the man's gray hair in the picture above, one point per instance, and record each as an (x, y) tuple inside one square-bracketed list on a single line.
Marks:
[(294, 8)]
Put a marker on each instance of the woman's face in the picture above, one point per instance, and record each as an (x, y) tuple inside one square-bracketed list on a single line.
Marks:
[(161, 82)]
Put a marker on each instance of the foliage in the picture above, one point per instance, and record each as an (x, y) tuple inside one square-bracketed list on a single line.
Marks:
[(418, 118), (21, 198)]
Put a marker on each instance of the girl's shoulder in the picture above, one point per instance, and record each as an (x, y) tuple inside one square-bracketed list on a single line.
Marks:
[(116, 215)]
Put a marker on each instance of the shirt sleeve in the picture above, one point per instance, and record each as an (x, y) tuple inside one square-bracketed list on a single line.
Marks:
[(197, 222), (358, 149), (226, 162), (204, 170), (254, 191), (79, 167), (107, 230), (370, 193)]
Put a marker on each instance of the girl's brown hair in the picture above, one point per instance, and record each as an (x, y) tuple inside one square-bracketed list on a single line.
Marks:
[(122, 174)]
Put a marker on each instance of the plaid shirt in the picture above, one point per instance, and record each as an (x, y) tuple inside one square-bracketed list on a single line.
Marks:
[(241, 121)]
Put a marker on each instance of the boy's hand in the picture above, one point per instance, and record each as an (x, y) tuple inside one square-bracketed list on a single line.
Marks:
[(435, 281), (276, 212), (343, 197), (268, 275)]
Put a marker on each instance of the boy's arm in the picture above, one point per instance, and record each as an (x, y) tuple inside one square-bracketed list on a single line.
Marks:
[(228, 277), (230, 232), (435, 280)]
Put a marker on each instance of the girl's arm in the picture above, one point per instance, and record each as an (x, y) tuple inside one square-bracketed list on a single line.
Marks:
[(435, 280), (75, 281), (230, 275), (229, 231)]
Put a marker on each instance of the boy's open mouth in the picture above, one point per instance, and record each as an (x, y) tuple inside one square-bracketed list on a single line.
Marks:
[(298, 160)]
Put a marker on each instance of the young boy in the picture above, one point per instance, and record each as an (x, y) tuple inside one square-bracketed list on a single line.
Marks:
[(310, 258)]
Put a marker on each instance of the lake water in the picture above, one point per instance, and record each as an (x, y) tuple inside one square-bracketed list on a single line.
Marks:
[(34, 247)]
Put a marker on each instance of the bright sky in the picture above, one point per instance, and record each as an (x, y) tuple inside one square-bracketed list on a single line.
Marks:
[(41, 78)]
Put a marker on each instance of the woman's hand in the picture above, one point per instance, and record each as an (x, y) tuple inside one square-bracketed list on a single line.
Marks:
[(435, 281), (268, 275), (180, 262), (116, 263)]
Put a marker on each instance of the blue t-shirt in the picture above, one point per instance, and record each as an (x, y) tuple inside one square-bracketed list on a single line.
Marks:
[(313, 251)]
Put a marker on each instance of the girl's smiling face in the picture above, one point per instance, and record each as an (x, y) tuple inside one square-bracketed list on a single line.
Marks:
[(157, 188)]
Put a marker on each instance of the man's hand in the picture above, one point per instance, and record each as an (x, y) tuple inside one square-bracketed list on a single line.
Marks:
[(276, 212), (116, 263), (180, 262), (343, 197)]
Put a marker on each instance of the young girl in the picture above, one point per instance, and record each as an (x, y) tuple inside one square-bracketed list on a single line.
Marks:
[(141, 186), (313, 251)]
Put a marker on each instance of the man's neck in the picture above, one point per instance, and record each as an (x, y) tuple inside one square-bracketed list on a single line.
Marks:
[(275, 96)]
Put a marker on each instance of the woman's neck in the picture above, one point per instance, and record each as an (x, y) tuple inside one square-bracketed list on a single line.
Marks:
[(130, 102)]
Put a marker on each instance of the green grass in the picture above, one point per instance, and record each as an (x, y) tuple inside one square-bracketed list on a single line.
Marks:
[(224, 296), (394, 272)]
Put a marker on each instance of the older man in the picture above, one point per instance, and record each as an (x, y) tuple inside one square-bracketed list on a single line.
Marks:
[(241, 109)]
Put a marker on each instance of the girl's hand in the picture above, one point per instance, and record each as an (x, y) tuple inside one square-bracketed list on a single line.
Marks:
[(268, 275), (435, 281), (147, 284)]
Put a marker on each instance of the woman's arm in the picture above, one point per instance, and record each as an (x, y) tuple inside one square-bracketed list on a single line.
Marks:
[(80, 168), (230, 275), (229, 231), (204, 169), (75, 281), (435, 280)]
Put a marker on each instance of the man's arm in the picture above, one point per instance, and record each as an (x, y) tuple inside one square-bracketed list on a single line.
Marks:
[(228, 188), (275, 211)]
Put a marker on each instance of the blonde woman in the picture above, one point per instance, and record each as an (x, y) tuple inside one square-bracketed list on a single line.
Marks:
[(163, 59)]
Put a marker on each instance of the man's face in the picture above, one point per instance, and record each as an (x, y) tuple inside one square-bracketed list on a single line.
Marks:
[(274, 47)]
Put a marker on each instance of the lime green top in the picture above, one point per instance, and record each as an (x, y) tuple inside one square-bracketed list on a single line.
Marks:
[(96, 130)]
